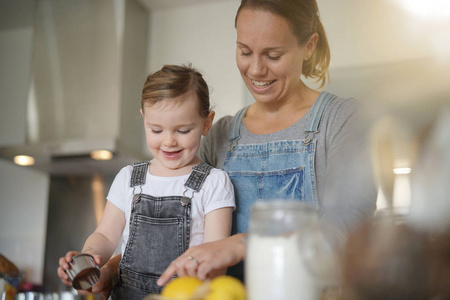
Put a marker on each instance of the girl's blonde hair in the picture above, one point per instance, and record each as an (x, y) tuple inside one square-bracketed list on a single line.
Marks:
[(173, 81)]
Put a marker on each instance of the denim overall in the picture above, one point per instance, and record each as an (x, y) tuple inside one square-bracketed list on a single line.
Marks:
[(159, 233), (278, 170)]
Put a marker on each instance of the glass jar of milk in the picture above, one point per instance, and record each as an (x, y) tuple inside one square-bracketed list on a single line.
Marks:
[(281, 246)]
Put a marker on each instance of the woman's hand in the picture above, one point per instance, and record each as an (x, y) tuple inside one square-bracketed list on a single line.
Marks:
[(206, 261)]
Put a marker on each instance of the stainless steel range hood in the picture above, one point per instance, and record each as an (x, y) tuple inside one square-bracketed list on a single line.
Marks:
[(88, 68)]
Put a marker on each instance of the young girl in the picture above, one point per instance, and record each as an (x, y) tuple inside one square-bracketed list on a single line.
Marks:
[(162, 207)]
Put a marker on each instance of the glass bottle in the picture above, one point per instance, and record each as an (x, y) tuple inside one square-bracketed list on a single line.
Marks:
[(281, 248)]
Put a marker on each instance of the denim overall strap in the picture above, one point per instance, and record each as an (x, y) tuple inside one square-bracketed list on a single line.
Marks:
[(139, 173), (315, 116), (138, 176), (195, 180), (198, 176), (159, 233), (235, 130), (280, 169)]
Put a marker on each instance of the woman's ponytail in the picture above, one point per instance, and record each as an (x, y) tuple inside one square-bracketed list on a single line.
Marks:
[(317, 66)]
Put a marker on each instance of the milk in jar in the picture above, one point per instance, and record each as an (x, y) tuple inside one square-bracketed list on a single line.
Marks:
[(275, 265)]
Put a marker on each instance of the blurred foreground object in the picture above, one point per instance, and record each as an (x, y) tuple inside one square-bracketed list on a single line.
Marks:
[(9, 278), (7, 267), (430, 193), (386, 260), (405, 253)]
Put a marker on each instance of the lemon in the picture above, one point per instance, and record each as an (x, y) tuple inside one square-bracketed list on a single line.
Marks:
[(226, 288), (181, 288)]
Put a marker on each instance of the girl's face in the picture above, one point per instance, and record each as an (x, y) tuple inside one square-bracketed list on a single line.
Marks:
[(269, 56), (173, 129)]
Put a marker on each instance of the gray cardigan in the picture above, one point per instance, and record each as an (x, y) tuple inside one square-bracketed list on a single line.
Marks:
[(345, 184)]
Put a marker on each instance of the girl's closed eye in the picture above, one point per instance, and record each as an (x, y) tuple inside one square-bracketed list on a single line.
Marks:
[(243, 53), (156, 131), (184, 131)]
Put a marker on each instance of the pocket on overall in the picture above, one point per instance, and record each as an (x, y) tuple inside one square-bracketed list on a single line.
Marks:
[(270, 185), (251, 187), (153, 243), (283, 185)]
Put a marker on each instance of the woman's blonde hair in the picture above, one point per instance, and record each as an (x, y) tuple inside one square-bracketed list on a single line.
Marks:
[(304, 18)]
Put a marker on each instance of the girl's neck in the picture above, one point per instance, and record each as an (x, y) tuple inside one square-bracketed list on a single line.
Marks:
[(157, 169)]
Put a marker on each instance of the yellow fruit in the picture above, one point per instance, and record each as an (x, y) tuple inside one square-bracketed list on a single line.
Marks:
[(226, 288), (220, 288), (181, 288)]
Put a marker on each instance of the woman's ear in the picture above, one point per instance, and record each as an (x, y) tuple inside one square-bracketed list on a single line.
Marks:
[(208, 122), (142, 113), (311, 45)]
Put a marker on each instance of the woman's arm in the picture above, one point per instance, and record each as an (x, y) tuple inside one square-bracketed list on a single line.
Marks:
[(211, 256), (217, 227), (350, 192)]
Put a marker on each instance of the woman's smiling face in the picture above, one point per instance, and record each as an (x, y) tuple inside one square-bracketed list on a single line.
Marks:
[(268, 55)]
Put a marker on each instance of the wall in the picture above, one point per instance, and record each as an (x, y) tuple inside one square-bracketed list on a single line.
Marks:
[(378, 49), (204, 35), (23, 218), (363, 33), (77, 204), (384, 54)]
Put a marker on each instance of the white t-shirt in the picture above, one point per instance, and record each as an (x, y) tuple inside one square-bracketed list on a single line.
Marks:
[(216, 192)]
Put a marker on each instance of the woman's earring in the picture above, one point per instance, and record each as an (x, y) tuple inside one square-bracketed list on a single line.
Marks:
[(308, 57)]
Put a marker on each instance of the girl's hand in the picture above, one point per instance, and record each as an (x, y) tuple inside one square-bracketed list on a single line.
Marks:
[(105, 283), (206, 261), (64, 265), (103, 287)]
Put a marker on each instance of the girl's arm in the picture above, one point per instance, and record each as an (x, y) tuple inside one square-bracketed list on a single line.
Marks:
[(218, 224), (100, 244), (105, 238)]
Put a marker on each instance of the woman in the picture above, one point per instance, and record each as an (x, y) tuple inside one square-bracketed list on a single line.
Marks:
[(292, 142), (268, 148)]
